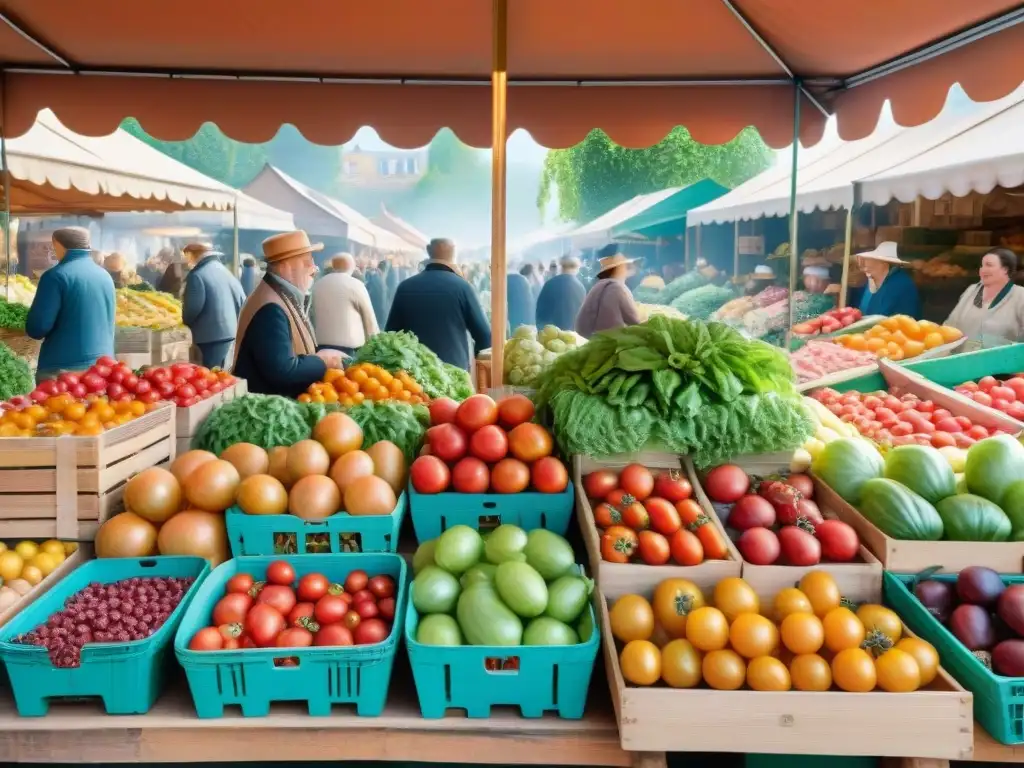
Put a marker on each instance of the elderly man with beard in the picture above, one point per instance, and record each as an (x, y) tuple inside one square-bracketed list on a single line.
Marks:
[(275, 348)]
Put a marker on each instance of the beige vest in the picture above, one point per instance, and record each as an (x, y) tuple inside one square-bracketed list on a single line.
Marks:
[(303, 342)]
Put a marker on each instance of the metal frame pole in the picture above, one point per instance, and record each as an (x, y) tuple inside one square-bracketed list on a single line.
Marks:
[(7, 187), (793, 216), (499, 121)]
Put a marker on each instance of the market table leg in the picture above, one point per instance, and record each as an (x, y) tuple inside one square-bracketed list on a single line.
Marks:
[(649, 760)]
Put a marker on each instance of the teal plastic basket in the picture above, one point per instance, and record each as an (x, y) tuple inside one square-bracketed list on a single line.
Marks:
[(535, 678), (127, 677), (253, 535), (952, 371), (322, 676), (433, 514), (998, 700)]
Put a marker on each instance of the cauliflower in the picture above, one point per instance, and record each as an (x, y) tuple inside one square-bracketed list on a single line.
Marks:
[(549, 357), (525, 332), (569, 338), (548, 333), (557, 346), (515, 377)]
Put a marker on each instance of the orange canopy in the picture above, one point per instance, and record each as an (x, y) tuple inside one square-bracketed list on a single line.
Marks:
[(331, 67)]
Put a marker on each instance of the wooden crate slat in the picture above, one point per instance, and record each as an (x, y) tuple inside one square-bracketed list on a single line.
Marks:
[(28, 506), (123, 470), (44, 529), (25, 452)]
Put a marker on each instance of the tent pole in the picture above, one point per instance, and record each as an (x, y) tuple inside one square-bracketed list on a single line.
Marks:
[(845, 280), (793, 216), (7, 187), (736, 248), (699, 226), (686, 250), (235, 260), (499, 94)]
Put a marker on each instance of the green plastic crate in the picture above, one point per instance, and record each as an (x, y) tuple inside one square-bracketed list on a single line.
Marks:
[(998, 700), (1001, 362)]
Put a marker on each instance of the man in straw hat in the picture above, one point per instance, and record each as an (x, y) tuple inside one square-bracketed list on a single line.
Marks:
[(213, 299), (276, 347), (609, 303), (73, 309), (342, 313), (890, 290), (441, 308), (562, 296)]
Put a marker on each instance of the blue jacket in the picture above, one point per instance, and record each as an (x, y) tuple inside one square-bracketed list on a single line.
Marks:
[(441, 309), (250, 277), (896, 296), (266, 359), (560, 301), (213, 299), (73, 313), (520, 301), (378, 295)]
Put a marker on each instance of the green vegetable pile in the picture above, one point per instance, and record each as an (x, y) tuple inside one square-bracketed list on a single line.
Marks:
[(263, 420), (511, 588), (700, 303), (402, 351), (15, 375), (401, 423), (13, 315), (679, 286), (646, 294), (692, 387)]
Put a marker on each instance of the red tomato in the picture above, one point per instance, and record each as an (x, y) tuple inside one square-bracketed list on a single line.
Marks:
[(652, 548), (298, 613), (939, 414), (130, 382), (240, 582), (356, 581), (799, 547), (361, 595), (387, 608), (949, 425), (759, 546), (470, 475), (263, 624), (352, 619), (475, 412), (514, 410), (232, 608), (982, 398), (530, 442), (548, 475), (926, 406), (1003, 393), (986, 383), (726, 484), (1000, 404), (686, 548), (963, 440), (606, 515), (1017, 385), (942, 440), (1016, 410), (672, 486), (280, 572), (367, 609), (978, 432), (206, 639), (330, 609), (114, 391), (637, 481), (232, 643), (312, 587), (333, 634), (510, 475), (442, 411), (185, 390), (381, 586), (663, 515), (598, 484), (149, 396), (839, 542), (489, 443), (371, 631), (447, 442), (280, 597), (635, 516), (294, 637), (428, 474)]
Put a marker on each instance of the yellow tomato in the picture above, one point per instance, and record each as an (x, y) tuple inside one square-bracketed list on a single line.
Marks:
[(53, 547), (842, 630), (680, 664), (3, 547), (924, 654), (70, 547), (137, 408), (881, 618), (753, 635), (75, 411), (11, 564), (37, 412), (9, 429), (641, 662), (724, 670), (632, 618), (802, 633), (853, 670), (46, 563), (791, 600), (766, 673), (810, 672), (897, 672), (27, 549), (734, 596), (708, 629), (821, 589), (31, 574), (674, 600)]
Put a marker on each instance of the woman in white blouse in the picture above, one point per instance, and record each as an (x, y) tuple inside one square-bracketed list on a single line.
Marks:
[(991, 313)]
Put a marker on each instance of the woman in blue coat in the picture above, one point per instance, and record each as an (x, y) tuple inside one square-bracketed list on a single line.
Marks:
[(890, 290)]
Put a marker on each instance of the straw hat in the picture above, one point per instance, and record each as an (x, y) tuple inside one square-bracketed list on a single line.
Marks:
[(886, 252), (762, 272), (611, 262), (197, 249), (288, 245)]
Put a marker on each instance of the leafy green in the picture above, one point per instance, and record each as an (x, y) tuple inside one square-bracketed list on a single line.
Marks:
[(700, 303), (676, 288), (13, 315), (263, 420), (402, 351), (15, 375)]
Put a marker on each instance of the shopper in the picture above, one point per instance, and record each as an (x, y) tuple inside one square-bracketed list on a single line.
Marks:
[(342, 312), (562, 296), (73, 309), (213, 298), (250, 275), (520, 299), (609, 303), (990, 313)]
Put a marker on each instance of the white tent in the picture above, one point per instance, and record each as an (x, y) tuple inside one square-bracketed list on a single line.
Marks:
[(601, 230), (252, 214)]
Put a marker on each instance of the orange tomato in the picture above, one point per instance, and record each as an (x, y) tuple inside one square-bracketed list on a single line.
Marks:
[(75, 411), (913, 348), (933, 340), (881, 618), (708, 629), (802, 633), (305, 397), (821, 589), (924, 654), (135, 407), (856, 341), (766, 673), (854, 671), (674, 601), (640, 662), (753, 635), (734, 596), (724, 670), (843, 630), (358, 375), (680, 664), (632, 618), (37, 412), (791, 600), (950, 334), (897, 672), (810, 672)]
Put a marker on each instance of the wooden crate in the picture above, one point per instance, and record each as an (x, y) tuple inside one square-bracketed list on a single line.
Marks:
[(139, 347), (188, 420), (915, 556), (64, 487), (616, 579), (71, 562), (935, 722), (857, 580)]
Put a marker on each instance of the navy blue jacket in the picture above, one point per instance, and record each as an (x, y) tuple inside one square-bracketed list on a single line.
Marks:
[(560, 301), (441, 308), (73, 313), (378, 295), (520, 301), (250, 279), (897, 295), (266, 360), (213, 299)]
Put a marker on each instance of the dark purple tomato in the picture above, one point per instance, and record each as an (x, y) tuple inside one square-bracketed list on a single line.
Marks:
[(972, 626), (979, 585), (1010, 608), (1008, 658), (937, 596)]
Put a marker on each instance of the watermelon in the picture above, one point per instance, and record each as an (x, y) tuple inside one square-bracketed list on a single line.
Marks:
[(923, 470), (992, 465), (972, 518), (1013, 507), (898, 512), (846, 464)]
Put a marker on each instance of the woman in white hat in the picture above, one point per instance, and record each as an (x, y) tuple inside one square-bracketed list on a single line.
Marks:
[(816, 279), (991, 312), (890, 290), (609, 304)]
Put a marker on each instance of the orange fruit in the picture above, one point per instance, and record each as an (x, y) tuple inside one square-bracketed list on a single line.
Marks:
[(875, 344), (897, 355), (913, 348), (950, 334), (75, 411), (933, 340), (910, 327), (856, 341), (890, 323), (37, 412)]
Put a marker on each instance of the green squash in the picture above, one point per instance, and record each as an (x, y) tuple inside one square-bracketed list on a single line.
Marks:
[(992, 465), (898, 512), (923, 470), (1013, 505), (846, 464), (972, 518)]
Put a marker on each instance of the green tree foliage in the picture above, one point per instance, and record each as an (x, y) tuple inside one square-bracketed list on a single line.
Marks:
[(312, 164), (597, 174)]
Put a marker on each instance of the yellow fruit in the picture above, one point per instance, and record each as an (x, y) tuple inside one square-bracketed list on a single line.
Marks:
[(54, 547), (632, 618), (31, 574), (821, 589), (641, 662), (46, 563), (924, 654), (3, 547), (897, 672), (791, 600), (70, 547), (766, 673), (734, 596), (11, 564), (27, 549), (753, 635)]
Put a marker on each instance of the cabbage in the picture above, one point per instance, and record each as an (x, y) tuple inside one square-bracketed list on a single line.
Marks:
[(570, 338), (525, 332), (548, 333), (557, 346)]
